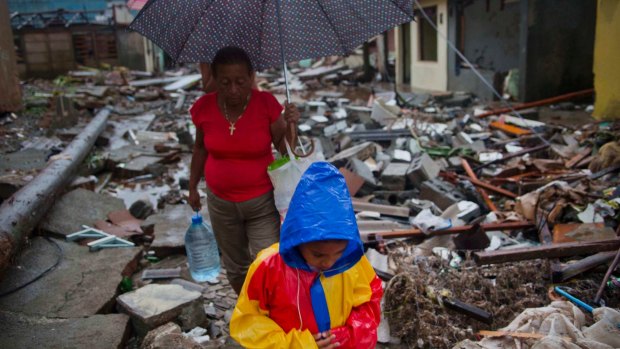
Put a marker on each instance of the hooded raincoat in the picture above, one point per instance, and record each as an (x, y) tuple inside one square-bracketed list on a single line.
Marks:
[(284, 301)]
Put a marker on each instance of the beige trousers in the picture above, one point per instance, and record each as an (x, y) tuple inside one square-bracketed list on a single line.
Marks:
[(242, 229)]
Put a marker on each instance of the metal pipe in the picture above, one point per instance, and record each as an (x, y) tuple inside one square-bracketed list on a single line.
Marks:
[(539, 103), (22, 211)]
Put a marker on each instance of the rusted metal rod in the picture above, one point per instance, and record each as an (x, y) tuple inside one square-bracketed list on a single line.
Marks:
[(546, 251), (489, 187), (568, 96), (482, 192), (611, 269)]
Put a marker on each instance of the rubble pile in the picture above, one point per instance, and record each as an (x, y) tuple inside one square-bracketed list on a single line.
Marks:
[(421, 285), (460, 204)]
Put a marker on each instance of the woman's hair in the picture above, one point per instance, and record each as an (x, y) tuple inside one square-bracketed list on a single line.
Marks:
[(231, 55)]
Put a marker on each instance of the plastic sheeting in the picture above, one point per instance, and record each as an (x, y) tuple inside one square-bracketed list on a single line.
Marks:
[(564, 327)]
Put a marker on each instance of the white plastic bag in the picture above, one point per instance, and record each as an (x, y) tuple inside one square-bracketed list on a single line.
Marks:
[(285, 174)]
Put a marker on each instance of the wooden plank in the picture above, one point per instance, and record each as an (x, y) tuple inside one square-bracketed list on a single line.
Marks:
[(547, 251), (388, 210), (455, 230), (577, 158), (525, 335), (563, 272), (560, 230)]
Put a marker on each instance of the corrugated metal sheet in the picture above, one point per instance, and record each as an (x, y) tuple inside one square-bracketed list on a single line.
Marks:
[(10, 94)]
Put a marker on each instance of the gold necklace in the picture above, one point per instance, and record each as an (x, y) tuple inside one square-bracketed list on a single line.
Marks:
[(232, 127)]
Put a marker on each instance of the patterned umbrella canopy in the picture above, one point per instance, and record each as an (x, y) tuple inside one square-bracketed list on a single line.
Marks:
[(270, 31)]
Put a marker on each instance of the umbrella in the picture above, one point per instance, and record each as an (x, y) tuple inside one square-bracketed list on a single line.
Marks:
[(272, 32)]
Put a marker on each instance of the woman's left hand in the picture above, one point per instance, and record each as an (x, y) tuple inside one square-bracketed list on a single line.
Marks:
[(291, 113)]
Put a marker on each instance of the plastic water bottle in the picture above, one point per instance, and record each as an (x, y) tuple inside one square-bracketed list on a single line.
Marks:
[(201, 247)]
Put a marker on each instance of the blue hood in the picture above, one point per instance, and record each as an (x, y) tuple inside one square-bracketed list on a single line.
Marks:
[(321, 209)]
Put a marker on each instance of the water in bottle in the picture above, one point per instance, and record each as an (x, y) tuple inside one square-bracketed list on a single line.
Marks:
[(202, 253)]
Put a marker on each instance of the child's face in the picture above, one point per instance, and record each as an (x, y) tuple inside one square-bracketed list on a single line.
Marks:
[(322, 255)]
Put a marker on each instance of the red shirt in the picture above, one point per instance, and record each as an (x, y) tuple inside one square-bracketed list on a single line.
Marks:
[(236, 166)]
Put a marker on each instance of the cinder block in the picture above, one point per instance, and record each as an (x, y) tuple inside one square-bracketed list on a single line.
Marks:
[(394, 176), (422, 168), (443, 194)]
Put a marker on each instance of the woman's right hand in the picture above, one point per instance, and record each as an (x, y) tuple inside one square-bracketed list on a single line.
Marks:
[(194, 200), (325, 340)]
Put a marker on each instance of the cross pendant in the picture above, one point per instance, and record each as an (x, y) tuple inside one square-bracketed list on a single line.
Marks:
[(232, 129)]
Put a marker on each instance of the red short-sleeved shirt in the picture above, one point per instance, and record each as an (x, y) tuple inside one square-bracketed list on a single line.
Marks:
[(236, 165)]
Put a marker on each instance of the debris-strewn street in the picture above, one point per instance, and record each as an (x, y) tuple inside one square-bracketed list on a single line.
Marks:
[(492, 223)]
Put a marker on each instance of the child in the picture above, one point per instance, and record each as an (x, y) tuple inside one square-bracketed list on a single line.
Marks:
[(315, 288)]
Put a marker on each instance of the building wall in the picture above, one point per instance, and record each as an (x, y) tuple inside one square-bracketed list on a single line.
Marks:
[(489, 38), (560, 47), (606, 57), (430, 75), (131, 51), (47, 53), (10, 94)]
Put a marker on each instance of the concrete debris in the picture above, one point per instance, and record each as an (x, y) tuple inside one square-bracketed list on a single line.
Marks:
[(436, 178), (154, 305)]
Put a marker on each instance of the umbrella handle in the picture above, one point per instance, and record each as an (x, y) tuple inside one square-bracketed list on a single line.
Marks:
[(305, 153)]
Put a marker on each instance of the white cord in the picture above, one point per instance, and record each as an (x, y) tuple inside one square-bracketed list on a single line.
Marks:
[(301, 323)]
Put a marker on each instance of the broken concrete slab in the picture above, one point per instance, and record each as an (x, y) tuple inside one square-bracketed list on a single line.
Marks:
[(123, 124), (76, 208), (124, 219), (169, 229), (93, 332), (82, 284), (27, 159), (154, 305), (184, 82), (168, 336)]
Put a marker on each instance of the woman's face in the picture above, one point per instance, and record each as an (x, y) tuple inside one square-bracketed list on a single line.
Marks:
[(234, 83)]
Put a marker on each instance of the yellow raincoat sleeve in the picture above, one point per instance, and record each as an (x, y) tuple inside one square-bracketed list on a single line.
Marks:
[(251, 326)]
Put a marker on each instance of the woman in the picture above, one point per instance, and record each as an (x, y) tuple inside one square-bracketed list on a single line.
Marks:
[(235, 127)]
